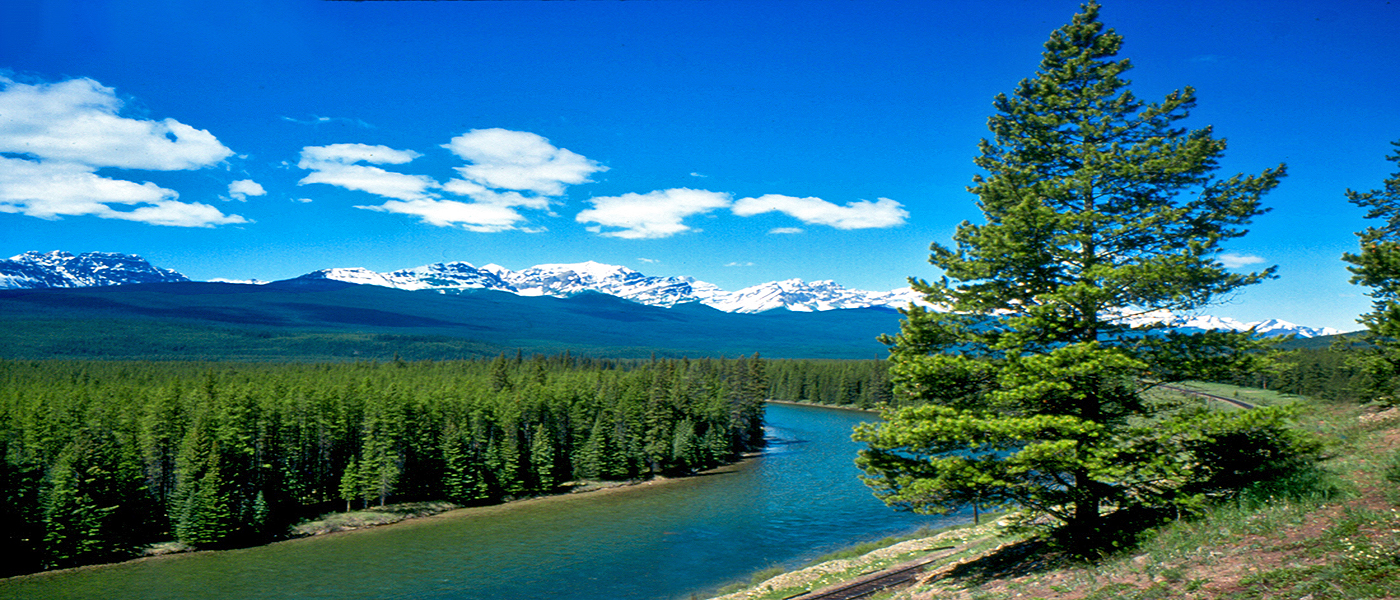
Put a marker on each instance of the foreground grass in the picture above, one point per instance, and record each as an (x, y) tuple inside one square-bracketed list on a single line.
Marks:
[(1330, 534)]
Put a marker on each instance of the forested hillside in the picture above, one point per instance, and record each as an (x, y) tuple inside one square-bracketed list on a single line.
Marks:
[(103, 458)]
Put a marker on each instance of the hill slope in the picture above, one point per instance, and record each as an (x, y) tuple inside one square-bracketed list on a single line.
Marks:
[(180, 320)]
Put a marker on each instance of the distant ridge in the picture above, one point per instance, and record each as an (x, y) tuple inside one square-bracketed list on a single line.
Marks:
[(59, 269)]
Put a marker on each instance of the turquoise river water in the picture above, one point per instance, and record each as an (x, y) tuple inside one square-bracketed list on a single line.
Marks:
[(670, 540)]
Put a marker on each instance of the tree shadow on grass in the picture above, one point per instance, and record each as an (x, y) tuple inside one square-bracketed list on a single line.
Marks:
[(1011, 560)]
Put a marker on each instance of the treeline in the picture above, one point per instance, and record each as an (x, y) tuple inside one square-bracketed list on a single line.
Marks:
[(102, 459), (855, 383), (1321, 373)]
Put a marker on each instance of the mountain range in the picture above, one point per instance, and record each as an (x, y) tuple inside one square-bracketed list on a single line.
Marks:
[(59, 269)]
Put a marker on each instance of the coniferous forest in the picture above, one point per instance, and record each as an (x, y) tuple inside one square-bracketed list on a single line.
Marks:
[(102, 459)]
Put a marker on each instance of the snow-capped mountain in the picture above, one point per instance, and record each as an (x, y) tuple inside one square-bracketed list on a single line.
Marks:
[(804, 296), (60, 269), (793, 294), (1267, 328), (440, 276), (569, 279)]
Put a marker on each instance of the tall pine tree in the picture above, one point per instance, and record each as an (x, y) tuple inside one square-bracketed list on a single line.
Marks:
[(1099, 210), (1378, 267)]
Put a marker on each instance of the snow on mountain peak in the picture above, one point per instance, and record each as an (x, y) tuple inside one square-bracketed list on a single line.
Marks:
[(64, 270)]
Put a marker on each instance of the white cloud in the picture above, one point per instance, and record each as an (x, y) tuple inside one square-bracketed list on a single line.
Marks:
[(486, 218), (739, 264), (76, 121), (650, 261), (337, 164), (241, 189), (302, 200), (520, 161), (652, 215), (815, 211), (785, 230), (509, 170), (58, 135), (1235, 261), (353, 153), (52, 191), (483, 194)]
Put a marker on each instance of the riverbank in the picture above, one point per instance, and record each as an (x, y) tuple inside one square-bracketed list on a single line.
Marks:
[(875, 411), (944, 548), (336, 524), (1336, 536)]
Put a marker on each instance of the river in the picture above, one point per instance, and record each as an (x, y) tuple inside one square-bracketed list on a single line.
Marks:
[(676, 539)]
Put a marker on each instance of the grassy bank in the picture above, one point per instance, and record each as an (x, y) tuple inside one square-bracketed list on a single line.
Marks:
[(1330, 534)]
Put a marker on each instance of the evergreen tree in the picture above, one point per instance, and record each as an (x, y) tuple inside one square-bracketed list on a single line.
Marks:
[(21, 507), (500, 372), (95, 503), (351, 484), (542, 458), (1098, 208), (1378, 267), (200, 505)]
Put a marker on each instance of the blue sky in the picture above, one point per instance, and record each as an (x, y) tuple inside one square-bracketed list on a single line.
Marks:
[(735, 142)]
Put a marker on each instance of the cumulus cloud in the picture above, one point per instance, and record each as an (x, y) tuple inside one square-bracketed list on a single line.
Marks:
[(52, 191), (473, 216), (785, 230), (241, 189), (483, 194), (1235, 261), (509, 170), (339, 165), (815, 211), (652, 215), (520, 161), (58, 135)]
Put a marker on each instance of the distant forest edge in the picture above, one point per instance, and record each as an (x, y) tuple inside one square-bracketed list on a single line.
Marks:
[(105, 458)]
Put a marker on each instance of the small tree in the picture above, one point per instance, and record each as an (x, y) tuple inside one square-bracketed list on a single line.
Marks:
[(1028, 382), (1378, 267)]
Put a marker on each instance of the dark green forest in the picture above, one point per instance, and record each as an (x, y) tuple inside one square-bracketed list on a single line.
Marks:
[(104, 458)]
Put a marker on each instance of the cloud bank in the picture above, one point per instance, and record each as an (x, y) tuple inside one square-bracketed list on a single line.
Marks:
[(511, 171), (58, 135), (507, 170)]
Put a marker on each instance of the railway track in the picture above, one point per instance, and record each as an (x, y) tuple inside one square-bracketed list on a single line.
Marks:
[(878, 581), (1190, 392)]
